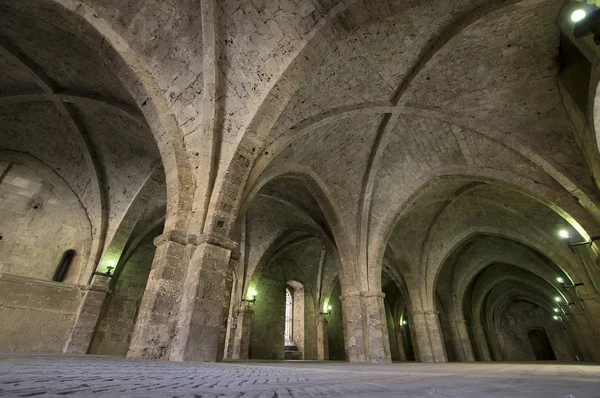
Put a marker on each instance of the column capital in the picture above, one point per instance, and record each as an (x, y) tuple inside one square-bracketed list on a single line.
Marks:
[(362, 294), (244, 310), (212, 239), (171, 236), (424, 312)]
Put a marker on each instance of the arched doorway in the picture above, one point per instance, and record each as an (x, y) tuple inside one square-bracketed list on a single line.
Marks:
[(541, 344)]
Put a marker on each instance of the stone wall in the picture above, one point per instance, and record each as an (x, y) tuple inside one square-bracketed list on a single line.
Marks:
[(37, 225), (36, 315), (117, 319), (518, 318)]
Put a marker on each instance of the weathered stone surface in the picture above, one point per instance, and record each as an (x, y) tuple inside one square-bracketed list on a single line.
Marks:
[(417, 160)]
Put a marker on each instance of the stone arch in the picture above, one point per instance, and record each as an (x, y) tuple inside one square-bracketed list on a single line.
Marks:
[(317, 189), (135, 77), (569, 264), (546, 196)]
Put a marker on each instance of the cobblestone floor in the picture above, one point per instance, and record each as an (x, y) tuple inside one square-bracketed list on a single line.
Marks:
[(48, 375)]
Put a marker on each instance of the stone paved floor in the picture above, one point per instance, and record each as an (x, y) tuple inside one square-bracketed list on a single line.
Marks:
[(48, 375)]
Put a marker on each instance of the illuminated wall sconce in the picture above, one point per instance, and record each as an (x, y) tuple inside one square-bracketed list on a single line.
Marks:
[(556, 310), (250, 301), (109, 268), (329, 308), (404, 323), (556, 317)]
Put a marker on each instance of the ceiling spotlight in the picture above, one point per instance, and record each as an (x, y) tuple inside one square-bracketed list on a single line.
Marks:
[(556, 310), (560, 280), (563, 233), (558, 299), (578, 15), (556, 318)]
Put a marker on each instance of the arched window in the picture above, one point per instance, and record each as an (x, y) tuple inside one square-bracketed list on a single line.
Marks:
[(289, 314)]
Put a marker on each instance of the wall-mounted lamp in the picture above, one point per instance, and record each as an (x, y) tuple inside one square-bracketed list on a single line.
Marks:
[(404, 323), (329, 308), (558, 299), (586, 23), (556, 317), (564, 234), (108, 273), (253, 301)]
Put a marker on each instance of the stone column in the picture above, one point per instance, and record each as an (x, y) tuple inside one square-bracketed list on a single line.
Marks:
[(365, 330), (241, 338), (353, 328), (400, 330), (201, 313), (586, 338), (156, 323), (87, 316), (427, 333), (378, 341), (223, 338), (322, 338), (461, 341), (482, 344)]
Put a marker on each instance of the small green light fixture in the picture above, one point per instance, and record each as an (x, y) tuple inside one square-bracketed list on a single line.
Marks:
[(563, 233), (560, 280), (253, 294), (556, 317), (558, 299), (329, 308), (109, 268), (578, 15), (556, 310), (404, 323)]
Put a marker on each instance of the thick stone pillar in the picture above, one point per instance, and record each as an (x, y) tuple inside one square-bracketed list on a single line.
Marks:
[(427, 334), (581, 327), (223, 338), (353, 328), (482, 344), (400, 330), (322, 338), (203, 302), (156, 323), (461, 341), (365, 329), (241, 333), (87, 316), (181, 314)]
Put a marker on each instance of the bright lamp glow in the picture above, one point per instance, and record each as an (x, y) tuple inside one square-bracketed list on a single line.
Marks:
[(329, 308), (555, 317), (560, 280), (253, 293), (404, 322), (578, 15), (558, 299), (563, 233), (556, 310)]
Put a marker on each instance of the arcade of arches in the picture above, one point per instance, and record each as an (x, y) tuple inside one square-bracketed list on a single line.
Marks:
[(358, 180)]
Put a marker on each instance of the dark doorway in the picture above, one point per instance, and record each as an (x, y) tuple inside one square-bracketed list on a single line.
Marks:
[(541, 345)]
